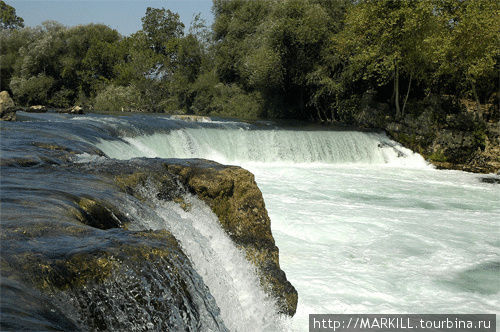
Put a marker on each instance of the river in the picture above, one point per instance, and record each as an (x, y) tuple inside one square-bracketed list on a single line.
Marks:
[(363, 225)]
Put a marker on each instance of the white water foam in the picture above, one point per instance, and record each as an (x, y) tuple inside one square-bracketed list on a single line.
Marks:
[(370, 239), (231, 279), (239, 146)]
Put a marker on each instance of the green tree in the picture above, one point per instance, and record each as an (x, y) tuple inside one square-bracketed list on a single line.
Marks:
[(467, 49), (384, 40), (299, 32), (33, 90), (8, 18), (272, 47), (118, 98), (162, 28), (78, 61), (11, 42), (235, 27), (144, 69), (188, 64)]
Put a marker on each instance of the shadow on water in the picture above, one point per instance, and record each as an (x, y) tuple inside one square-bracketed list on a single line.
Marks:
[(482, 279)]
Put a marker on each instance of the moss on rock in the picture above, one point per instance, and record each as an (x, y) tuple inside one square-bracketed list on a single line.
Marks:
[(94, 263), (233, 195), (98, 214), (449, 135)]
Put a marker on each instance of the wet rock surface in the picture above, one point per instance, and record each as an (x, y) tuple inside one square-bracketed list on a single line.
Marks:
[(107, 280), (80, 251), (77, 253), (232, 194), (69, 261), (23, 308)]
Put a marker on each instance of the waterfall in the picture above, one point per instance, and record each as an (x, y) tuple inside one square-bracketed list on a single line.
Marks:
[(240, 146), (231, 279)]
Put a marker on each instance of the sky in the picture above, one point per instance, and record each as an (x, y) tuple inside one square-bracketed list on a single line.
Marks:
[(122, 15)]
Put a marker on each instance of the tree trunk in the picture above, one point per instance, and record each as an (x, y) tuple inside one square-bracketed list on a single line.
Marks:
[(393, 90), (396, 90), (325, 115), (478, 104), (335, 115), (407, 94), (301, 101), (319, 115)]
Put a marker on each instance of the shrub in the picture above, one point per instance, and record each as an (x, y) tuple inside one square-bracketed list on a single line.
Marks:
[(118, 98), (31, 91), (62, 98), (232, 101)]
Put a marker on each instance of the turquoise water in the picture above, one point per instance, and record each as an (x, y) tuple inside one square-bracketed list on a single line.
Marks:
[(385, 240)]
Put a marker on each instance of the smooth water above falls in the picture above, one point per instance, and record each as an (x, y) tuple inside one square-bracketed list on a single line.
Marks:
[(363, 225)]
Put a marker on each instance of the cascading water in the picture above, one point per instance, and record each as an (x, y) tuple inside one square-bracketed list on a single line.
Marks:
[(229, 145), (232, 280), (363, 224)]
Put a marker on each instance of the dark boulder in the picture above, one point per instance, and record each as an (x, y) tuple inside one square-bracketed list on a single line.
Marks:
[(493, 180)]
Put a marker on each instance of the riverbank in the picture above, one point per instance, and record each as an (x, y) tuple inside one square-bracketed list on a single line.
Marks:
[(448, 132)]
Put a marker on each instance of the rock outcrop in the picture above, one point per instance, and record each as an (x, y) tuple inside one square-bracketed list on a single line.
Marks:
[(36, 109), (72, 110), (194, 118), (7, 107), (234, 197), (458, 141), (449, 133), (492, 180), (102, 276), (232, 194)]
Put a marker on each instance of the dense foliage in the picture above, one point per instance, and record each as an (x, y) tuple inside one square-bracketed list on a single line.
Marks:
[(305, 59), (8, 17)]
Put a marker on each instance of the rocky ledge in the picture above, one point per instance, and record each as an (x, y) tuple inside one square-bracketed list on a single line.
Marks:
[(460, 142), (97, 280), (7, 107), (232, 194), (447, 132), (83, 262)]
